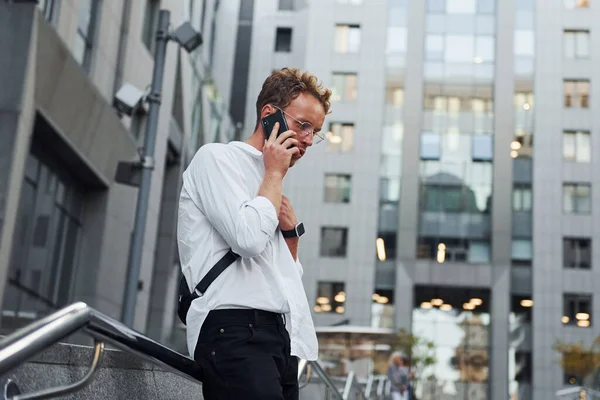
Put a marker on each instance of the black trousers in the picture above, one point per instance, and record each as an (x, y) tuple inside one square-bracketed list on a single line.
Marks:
[(245, 354)]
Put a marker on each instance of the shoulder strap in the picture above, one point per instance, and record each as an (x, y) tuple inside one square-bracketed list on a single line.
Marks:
[(215, 271)]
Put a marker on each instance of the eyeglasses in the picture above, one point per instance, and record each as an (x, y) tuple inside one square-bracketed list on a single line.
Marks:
[(305, 127)]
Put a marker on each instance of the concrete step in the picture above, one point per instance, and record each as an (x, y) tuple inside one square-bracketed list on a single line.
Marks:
[(120, 376)]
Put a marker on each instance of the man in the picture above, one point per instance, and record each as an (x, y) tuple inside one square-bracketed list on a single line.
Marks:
[(399, 375), (253, 322)]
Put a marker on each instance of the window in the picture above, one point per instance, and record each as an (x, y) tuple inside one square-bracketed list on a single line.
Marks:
[(521, 251), (475, 251), (577, 4), (452, 199), (577, 146), (522, 198), (576, 93), (49, 9), (523, 100), (337, 188), (340, 138), (442, 199), (394, 96), (460, 48), (150, 23), (344, 86), (334, 241), (286, 5), (524, 43), (576, 44), (283, 40), (461, 6), (347, 38), (385, 245), (84, 40), (577, 310), (331, 297), (482, 148), (576, 198), (354, 2), (430, 146), (47, 233), (577, 253)]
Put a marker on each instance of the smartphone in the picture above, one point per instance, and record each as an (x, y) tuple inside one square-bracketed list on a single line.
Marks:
[(269, 121)]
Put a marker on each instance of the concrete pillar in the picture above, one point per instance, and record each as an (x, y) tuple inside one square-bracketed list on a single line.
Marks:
[(17, 110)]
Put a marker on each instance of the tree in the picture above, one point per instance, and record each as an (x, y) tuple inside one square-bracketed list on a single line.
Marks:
[(420, 351), (577, 359)]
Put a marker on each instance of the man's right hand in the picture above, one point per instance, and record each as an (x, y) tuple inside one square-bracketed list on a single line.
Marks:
[(277, 153)]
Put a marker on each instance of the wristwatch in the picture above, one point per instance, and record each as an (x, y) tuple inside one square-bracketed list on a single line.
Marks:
[(296, 232)]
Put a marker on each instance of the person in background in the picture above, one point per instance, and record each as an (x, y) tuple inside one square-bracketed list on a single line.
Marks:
[(399, 375)]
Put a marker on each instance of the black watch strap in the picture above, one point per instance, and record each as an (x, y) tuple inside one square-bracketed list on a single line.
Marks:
[(296, 232)]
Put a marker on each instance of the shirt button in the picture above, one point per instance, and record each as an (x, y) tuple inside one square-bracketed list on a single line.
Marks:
[(250, 325), (212, 353), (222, 330)]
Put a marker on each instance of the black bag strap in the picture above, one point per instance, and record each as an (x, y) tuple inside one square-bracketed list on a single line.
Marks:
[(214, 273)]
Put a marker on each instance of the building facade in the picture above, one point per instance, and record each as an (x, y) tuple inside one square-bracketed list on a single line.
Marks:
[(431, 207)]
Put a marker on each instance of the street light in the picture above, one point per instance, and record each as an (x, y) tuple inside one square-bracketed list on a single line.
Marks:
[(189, 39)]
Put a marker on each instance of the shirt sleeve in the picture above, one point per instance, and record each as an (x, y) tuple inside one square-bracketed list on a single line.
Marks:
[(247, 223)]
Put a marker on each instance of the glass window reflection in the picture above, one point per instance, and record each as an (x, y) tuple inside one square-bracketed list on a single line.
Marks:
[(524, 43), (461, 6), (456, 320), (482, 149), (396, 40), (436, 6), (459, 48), (430, 146)]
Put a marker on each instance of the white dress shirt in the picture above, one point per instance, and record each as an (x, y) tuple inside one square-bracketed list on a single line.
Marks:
[(219, 209)]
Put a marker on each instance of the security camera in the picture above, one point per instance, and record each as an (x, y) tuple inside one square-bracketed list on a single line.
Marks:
[(187, 37), (128, 99)]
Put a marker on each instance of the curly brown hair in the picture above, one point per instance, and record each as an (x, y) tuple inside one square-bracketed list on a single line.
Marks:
[(284, 85)]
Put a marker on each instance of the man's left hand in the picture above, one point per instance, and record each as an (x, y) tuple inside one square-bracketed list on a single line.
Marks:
[(287, 217)]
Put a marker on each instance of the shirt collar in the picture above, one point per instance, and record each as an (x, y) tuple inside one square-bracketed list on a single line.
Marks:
[(247, 148)]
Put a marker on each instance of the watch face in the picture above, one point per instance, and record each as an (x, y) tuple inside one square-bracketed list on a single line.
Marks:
[(300, 229)]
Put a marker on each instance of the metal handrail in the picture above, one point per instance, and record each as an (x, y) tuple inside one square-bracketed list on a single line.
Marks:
[(303, 364), (23, 344)]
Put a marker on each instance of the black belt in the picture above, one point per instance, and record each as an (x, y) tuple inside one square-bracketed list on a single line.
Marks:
[(245, 316)]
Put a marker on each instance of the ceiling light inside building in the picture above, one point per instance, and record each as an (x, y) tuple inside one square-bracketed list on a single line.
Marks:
[(383, 300), (437, 302), (375, 296), (426, 305), (445, 307), (441, 253), (583, 324), (565, 319), (514, 154), (469, 306), (339, 310), (340, 297), (322, 300), (380, 246), (326, 307), (476, 301), (318, 309), (582, 316), (526, 107), (515, 145), (526, 303)]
